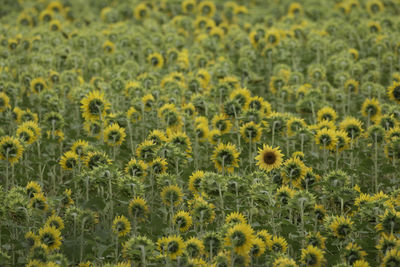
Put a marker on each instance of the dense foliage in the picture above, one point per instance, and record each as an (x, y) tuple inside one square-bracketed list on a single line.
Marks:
[(199, 133)]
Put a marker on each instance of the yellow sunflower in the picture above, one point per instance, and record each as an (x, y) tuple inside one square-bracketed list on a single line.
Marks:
[(94, 106), (269, 158), (240, 237), (225, 157)]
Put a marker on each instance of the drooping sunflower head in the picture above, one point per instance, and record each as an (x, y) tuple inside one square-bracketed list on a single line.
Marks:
[(225, 157), (277, 244), (392, 258), (194, 247), (138, 208), (121, 226), (353, 252), (171, 195), (341, 226), (352, 126), (195, 181), (371, 108), (206, 8), (326, 113), (55, 221), (326, 138), (389, 222), (39, 202), (10, 149), (172, 246), (315, 239), (32, 188), (114, 135), (222, 123), (69, 160), (242, 96), (251, 132), (96, 158), (51, 237), (240, 237), (235, 218), (182, 220), (136, 168), (284, 194), (94, 106), (156, 60), (312, 256), (293, 171), (38, 85), (394, 92), (4, 102), (202, 211), (269, 158)]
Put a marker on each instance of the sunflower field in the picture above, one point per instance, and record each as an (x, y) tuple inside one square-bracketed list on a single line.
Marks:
[(196, 133)]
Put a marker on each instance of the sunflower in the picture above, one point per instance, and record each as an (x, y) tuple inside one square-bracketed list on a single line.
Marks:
[(353, 252), (392, 133), (269, 158), (138, 208), (4, 102), (351, 86), (158, 166), (387, 242), (242, 96), (284, 194), (374, 6), (312, 256), (222, 123), (79, 147), (251, 132), (141, 11), (114, 135), (341, 226), (352, 126), (96, 158), (326, 113), (225, 157), (188, 6), (69, 160), (10, 149), (136, 168), (206, 8), (94, 106), (182, 220), (38, 85), (342, 141), (294, 125), (316, 240), (293, 171), (39, 201), (66, 198), (32, 188), (157, 136), (194, 247), (389, 222), (326, 138), (258, 248), (146, 151), (55, 221), (374, 26), (93, 128), (156, 60), (133, 115), (394, 92), (172, 246), (51, 237), (284, 261), (195, 181), (121, 226), (26, 135), (272, 37), (371, 108), (31, 239), (240, 237), (171, 195), (201, 132), (277, 244), (202, 211), (391, 258)]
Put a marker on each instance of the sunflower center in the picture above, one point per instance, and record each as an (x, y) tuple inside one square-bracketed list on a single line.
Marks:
[(227, 157), (70, 163), (193, 250), (343, 229), (269, 158), (181, 221)]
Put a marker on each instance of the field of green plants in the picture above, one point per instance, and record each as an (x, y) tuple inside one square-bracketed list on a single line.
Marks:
[(198, 133)]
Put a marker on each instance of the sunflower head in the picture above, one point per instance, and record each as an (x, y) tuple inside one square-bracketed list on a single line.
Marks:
[(182, 220), (138, 208), (225, 157), (269, 158), (10, 149), (171, 195), (121, 226)]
